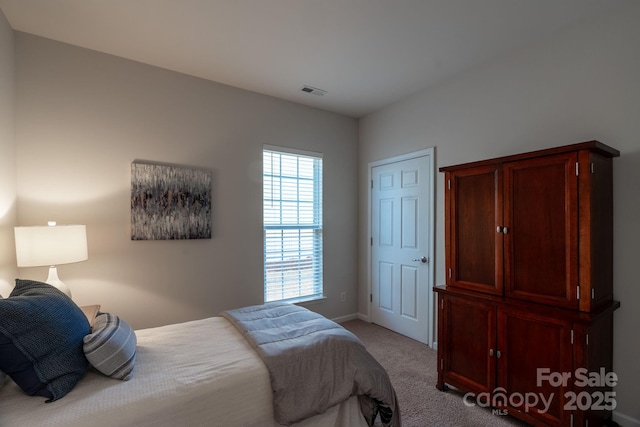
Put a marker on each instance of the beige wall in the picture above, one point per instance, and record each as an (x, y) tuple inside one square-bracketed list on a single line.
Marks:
[(82, 117), (8, 211), (578, 86)]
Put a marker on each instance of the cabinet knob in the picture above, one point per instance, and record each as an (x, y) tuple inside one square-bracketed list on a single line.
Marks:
[(491, 352)]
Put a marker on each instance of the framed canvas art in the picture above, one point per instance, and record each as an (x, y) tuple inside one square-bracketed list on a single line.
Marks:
[(170, 202)]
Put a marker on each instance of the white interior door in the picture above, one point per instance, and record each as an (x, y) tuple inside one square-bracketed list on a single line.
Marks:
[(402, 244)]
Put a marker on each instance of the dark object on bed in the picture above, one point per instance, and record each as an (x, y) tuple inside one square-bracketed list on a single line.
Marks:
[(41, 336), (314, 363)]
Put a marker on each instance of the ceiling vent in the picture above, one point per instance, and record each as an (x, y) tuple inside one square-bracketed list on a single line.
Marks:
[(313, 90)]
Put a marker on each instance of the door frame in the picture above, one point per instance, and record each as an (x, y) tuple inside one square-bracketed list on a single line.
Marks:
[(430, 153)]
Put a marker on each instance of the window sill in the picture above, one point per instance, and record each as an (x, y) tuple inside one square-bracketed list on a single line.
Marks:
[(305, 301)]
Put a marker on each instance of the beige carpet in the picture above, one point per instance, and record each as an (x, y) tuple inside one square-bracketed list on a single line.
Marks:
[(412, 368)]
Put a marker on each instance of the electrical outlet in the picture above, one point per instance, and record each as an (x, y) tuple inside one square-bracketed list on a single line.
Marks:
[(343, 296)]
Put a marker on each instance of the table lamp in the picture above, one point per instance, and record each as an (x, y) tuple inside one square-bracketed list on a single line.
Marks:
[(51, 245)]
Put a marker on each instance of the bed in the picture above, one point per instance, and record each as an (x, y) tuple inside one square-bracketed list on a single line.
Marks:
[(210, 372)]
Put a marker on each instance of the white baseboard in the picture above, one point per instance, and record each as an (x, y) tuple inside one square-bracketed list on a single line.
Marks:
[(354, 316), (364, 317), (625, 420), (342, 319)]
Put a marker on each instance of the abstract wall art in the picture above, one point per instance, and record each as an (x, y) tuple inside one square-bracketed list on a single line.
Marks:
[(170, 202)]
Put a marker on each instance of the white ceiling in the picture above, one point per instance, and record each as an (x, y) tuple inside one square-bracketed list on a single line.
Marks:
[(366, 54)]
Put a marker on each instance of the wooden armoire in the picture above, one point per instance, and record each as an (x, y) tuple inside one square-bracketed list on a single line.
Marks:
[(527, 308)]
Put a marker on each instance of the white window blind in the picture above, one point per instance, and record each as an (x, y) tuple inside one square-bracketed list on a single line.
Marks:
[(292, 217)]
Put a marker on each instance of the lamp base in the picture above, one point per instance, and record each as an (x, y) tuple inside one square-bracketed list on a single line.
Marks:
[(55, 281)]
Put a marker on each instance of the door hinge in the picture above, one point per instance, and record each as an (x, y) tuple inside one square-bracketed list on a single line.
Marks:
[(370, 297), (578, 291), (450, 274), (449, 184), (441, 364), (593, 293), (577, 169), (372, 241), (587, 339), (442, 304), (372, 184), (572, 336), (593, 168)]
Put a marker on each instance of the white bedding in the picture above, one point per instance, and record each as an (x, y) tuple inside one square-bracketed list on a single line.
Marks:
[(199, 373)]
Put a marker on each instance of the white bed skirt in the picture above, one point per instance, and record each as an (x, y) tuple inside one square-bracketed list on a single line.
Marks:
[(199, 373)]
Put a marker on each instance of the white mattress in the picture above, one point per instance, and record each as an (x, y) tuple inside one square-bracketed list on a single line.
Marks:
[(199, 373)]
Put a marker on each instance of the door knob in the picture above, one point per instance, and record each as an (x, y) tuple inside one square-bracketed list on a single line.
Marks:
[(423, 260)]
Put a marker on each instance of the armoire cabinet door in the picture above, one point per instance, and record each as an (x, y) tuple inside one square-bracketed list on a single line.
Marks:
[(541, 219), (467, 339), (595, 187), (529, 342), (474, 208)]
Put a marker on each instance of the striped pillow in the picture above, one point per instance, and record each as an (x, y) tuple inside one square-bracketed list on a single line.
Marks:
[(111, 347)]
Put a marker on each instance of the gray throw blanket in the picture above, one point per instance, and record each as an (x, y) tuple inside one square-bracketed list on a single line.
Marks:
[(314, 363)]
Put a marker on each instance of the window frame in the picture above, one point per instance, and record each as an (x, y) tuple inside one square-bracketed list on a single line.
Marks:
[(302, 227)]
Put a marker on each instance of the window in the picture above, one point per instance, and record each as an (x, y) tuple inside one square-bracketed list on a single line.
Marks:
[(292, 217)]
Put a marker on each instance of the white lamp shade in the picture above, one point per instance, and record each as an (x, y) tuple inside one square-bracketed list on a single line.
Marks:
[(50, 245)]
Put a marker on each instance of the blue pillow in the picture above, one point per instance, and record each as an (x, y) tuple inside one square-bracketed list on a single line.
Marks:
[(41, 332), (3, 376)]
